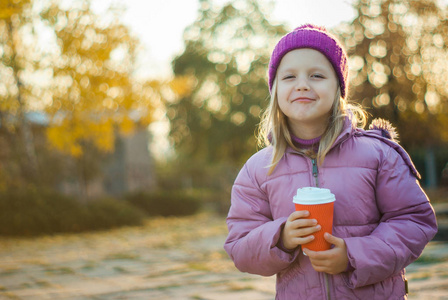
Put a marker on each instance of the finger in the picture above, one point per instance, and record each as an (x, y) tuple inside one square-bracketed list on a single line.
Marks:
[(319, 265), (301, 223), (320, 256), (305, 231), (316, 261), (303, 240), (298, 215), (310, 253), (324, 269), (302, 232), (333, 240), (320, 269), (306, 251)]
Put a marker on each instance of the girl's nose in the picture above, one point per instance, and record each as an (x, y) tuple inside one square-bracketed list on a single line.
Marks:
[(302, 85)]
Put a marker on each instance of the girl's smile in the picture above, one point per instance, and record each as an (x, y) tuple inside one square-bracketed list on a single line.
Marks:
[(306, 90), (303, 100)]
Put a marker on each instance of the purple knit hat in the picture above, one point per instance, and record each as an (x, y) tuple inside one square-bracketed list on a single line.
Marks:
[(317, 38)]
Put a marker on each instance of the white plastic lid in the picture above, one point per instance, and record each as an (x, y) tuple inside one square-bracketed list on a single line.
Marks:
[(313, 195)]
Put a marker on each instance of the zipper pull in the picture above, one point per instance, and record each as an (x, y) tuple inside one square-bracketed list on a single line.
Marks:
[(315, 172)]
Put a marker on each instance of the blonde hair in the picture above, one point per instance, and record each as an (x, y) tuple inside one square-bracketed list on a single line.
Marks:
[(274, 129)]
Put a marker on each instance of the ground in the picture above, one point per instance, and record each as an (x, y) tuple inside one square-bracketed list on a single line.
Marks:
[(167, 258)]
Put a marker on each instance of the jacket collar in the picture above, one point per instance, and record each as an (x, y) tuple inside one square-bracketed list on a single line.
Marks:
[(347, 131)]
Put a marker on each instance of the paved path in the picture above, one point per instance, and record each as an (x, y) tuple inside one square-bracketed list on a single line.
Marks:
[(173, 258)]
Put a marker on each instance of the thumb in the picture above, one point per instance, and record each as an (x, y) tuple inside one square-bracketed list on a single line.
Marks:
[(332, 239)]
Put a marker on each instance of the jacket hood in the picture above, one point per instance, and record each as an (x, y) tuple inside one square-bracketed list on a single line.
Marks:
[(384, 131), (385, 128)]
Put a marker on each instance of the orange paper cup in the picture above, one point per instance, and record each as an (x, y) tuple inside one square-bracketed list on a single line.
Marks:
[(323, 213), (320, 204)]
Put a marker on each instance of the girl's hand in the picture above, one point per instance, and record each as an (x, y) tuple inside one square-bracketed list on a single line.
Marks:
[(297, 230), (333, 261)]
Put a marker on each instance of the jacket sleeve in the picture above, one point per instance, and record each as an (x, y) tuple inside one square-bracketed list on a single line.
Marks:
[(253, 234), (407, 224)]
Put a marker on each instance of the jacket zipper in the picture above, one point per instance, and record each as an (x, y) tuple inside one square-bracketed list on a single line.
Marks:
[(327, 286), (315, 172), (316, 179)]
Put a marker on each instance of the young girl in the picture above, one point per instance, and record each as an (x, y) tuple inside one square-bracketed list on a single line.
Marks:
[(382, 218)]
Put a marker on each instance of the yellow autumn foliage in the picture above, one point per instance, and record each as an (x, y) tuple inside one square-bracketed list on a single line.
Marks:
[(182, 85), (91, 96), (94, 90), (83, 125), (69, 136), (10, 7), (127, 125)]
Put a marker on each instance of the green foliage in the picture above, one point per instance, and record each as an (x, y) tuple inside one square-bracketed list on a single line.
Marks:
[(82, 78), (108, 213), (227, 51), (419, 156), (166, 203), (30, 212), (212, 183), (398, 52)]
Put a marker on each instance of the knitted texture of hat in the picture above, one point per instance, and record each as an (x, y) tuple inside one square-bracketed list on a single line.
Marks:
[(313, 37)]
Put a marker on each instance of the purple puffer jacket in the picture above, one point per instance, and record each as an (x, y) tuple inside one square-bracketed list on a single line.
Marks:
[(380, 211)]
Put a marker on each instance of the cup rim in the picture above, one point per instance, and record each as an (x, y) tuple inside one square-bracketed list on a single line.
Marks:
[(328, 197), (314, 202)]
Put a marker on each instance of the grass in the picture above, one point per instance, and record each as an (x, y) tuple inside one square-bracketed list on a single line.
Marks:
[(420, 276), (9, 295), (238, 287), (199, 266), (42, 283), (430, 260), (59, 270), (90, 265), (122, 255), (10, 271), (175, 271), (26, 285), (168, 286), (194, 261), (194, 252), (121, 270)]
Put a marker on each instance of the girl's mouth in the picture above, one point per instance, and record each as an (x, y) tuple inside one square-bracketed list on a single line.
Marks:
[(303, 99)]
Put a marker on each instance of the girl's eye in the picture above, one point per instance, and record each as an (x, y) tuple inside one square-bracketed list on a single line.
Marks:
[(317, 76), (288, 77)]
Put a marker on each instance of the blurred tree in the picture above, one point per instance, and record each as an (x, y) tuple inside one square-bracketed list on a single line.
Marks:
[(398, 57), (399, 62), (14, 92), (92, 89), (226, 52), (77, 67)]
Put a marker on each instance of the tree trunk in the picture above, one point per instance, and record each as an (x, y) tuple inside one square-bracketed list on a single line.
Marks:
[(430, 168), (30, 167)]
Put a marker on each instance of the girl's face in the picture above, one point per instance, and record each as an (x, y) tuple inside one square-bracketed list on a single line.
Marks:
[(306, 89)]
